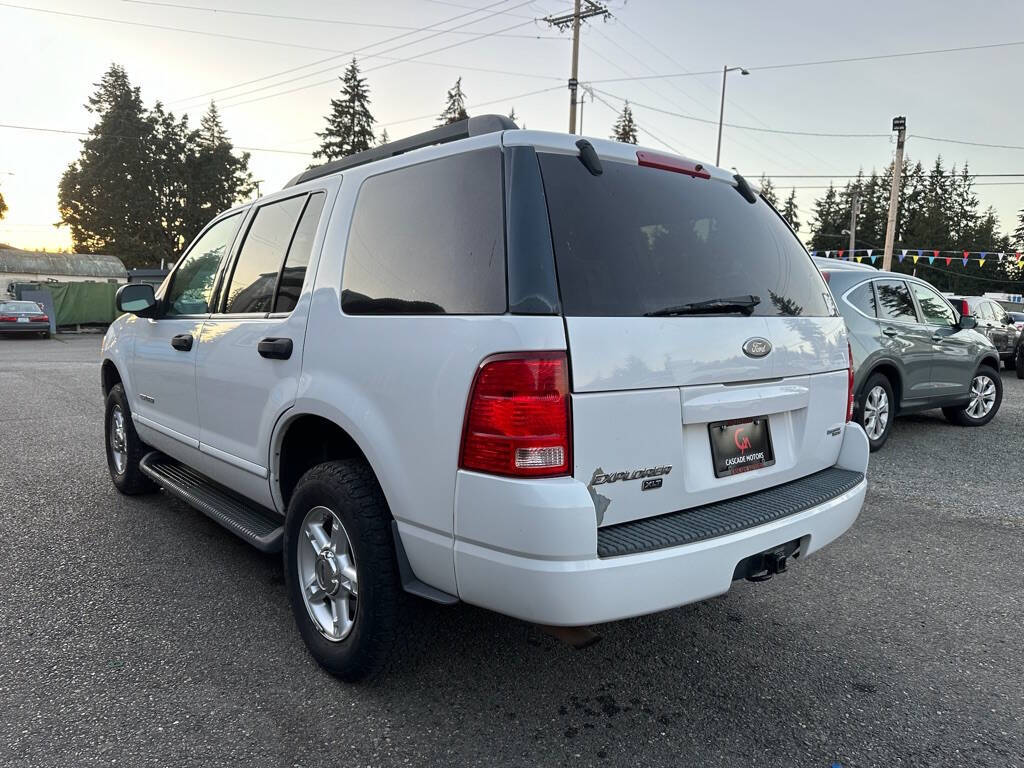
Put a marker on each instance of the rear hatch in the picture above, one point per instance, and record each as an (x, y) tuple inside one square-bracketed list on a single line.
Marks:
[(694, 319)]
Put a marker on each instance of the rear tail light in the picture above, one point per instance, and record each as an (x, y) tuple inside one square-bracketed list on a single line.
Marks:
[(965, 308), (849, 384), (43, 319), (8, 319), (517, 418)]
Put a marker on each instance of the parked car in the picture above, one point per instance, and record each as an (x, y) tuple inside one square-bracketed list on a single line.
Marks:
[(912, 352), (993, 321), (376, 372), (23, 317), (1017, 318)]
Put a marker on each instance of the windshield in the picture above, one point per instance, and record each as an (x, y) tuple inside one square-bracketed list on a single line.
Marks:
[(636, 241), (20, 306)]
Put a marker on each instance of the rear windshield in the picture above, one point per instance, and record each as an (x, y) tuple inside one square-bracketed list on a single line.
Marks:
[(636, 240), (20, 306)]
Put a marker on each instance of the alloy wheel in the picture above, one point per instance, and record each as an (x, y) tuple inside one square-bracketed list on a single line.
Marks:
[(983, 396), (118, 440), (876, 412), (327, 573)]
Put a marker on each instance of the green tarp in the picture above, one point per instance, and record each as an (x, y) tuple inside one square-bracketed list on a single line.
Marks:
[(80, 303)]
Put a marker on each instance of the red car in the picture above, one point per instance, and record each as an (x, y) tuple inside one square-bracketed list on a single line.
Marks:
[(23, 317)]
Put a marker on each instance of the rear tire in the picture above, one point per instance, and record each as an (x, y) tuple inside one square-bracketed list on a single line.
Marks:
[(350, 633), (877, 410), (986, 397), (1020, 361), (123, 447)]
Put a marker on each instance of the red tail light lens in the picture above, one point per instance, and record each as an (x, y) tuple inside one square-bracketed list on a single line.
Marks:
[(849, 384), (42, 319), (8, 319), (671, 163), (517, 419), (965, 308)]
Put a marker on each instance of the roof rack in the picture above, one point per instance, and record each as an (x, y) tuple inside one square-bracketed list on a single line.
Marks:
[(463, 129)]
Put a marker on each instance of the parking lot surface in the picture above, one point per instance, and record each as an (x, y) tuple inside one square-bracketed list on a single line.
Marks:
[(138, 632)]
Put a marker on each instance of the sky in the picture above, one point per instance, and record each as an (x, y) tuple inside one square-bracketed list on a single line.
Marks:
[(273, 79)]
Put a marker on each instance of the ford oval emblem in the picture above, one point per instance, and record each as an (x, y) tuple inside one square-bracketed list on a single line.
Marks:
[(757, 347)]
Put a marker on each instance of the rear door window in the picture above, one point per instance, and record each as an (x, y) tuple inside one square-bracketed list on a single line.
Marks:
[(863, 298), (934, 309), (636, 240), (294, 273), (255, 275), (894, 301), (429, 239)]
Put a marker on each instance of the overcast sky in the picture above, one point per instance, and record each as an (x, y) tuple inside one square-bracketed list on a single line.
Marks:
[(49, 63)]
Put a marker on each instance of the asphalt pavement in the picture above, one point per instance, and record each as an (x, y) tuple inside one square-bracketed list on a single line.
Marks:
[(135, 631)]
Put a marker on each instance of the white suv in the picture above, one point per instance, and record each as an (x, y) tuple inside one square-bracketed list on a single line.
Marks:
[(569, 381)]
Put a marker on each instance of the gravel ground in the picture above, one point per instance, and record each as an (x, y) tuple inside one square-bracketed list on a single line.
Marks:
[(137, 632)]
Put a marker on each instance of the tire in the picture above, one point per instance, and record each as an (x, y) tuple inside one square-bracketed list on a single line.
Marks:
[(124, 464), (964, 416), (1019, 360), (45, 334), (351, 635), (877, 410)]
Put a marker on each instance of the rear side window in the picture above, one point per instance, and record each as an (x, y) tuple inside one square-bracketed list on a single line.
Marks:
[(294, 273), (863, 298), (894, 301), (255, 275), (636, 240), (429, 239)]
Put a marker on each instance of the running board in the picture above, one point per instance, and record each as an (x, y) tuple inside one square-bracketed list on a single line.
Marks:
[(247, 520)]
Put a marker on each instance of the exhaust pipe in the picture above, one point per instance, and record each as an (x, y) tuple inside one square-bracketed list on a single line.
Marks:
[(578, 637)]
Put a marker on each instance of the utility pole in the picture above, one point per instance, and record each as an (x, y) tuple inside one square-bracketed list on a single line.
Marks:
[(899, 124), (854, 210), (573, 20)]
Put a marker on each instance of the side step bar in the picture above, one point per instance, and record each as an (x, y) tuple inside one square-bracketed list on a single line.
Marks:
[(259, 526)]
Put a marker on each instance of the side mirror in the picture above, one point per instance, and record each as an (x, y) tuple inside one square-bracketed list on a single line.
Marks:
[(967, 322), (137, 298)]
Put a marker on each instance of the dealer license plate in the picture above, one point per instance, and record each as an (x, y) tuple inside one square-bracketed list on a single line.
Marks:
[(740, 445)]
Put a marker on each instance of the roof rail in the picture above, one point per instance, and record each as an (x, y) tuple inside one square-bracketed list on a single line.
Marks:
[(463, 129)]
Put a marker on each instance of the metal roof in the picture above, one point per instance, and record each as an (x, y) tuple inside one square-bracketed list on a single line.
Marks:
[(76, 264)]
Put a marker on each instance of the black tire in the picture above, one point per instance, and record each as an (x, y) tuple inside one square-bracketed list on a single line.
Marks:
[(1019, 360), (45, 334), (960, 415), (350, 490), (877, 380), (129, 480)]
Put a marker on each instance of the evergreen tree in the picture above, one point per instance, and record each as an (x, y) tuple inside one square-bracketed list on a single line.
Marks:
[(350, 124), (145, 183), (512, 115), (383, 137), (827, 224), (768, 191), (3, 206), (1018, 234), (790, 212), (455, 107), (625, 126)]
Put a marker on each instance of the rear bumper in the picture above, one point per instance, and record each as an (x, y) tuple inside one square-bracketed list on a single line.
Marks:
[(537, 577), (24, 328)]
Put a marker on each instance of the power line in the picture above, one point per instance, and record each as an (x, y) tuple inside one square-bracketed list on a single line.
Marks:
[(980, 184), (821, 62), (639, 128), (478, 104), (859, 175), (40, 129), (316, 20), (969, 143)]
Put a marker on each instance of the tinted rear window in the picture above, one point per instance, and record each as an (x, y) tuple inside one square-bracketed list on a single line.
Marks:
[(863, 298), (429, 239), (894, 301), (635, 240)]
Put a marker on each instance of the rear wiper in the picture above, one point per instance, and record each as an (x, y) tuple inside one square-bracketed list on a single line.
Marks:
[(742, 304)]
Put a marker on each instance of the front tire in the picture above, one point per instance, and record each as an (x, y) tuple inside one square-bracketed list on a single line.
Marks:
[(1020, 361), (340, 568), (877, 410), (124, 448), (986, 395)]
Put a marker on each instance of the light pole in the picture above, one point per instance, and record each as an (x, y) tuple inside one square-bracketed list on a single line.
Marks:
[(721, 109)]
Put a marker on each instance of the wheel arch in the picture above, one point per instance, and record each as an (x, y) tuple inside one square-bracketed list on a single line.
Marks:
[(109, 375), (992, 360), (891, 371)]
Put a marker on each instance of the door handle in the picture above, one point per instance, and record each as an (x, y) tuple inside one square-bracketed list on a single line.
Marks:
[(890, 332), (275, 349), (182, 342), (937, 337)]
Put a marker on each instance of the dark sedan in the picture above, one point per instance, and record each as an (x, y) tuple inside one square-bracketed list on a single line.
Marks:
[(23, 317), (912, 351), (994, 321)]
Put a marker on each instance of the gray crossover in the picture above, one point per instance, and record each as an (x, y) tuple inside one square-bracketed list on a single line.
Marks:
[(912, 351)]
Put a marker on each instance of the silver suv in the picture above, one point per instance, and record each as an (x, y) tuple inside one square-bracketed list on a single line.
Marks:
[(912, 351)]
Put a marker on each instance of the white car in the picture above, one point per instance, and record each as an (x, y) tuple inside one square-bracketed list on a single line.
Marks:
[(570, 381)]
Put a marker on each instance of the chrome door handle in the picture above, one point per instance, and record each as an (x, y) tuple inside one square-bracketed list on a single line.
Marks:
[(890, 332)]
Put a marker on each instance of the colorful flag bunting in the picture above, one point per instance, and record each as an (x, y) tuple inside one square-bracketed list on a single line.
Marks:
[(858, 258), (981, 262), (949, 259), (840, 254), (903, 255), (965, 259)]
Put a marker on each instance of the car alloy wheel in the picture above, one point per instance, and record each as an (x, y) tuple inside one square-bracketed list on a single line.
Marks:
[(327, 574), (118, 441), (983, 396), (876, 412)]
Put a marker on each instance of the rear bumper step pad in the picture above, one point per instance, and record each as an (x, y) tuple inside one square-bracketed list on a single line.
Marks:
[(724, 517), (247, 520)]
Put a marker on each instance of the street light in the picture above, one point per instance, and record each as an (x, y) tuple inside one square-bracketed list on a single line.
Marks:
[(721, 109)]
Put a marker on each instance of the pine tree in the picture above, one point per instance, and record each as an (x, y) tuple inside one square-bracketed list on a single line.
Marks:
[(455, 107), (350, 124), (790, 212), (768, 190), (512, 114), (827, 225), (625, 127), (1018, 234), (3, 206), (383, 137), (218, 177)]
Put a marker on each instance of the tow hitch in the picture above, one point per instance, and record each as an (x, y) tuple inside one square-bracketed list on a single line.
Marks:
[(764, 565)]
